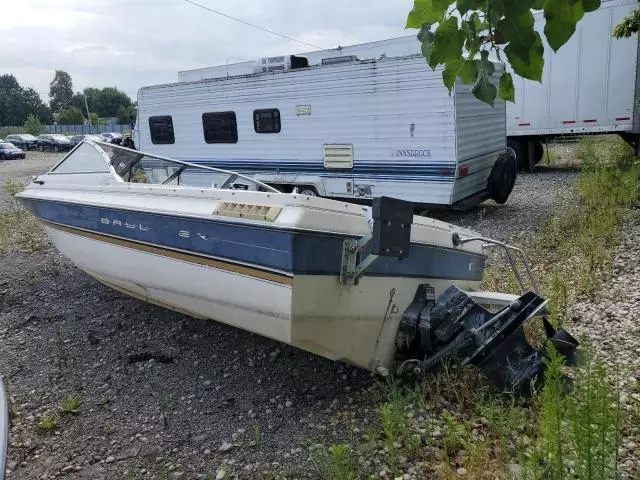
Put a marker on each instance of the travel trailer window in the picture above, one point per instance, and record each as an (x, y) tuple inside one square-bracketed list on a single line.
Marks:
[(266, 121), (220, 127), (84, 159), (161, 129)]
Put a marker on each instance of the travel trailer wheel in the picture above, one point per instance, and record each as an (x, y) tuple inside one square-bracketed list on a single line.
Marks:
[(503, 177), (308, 191)]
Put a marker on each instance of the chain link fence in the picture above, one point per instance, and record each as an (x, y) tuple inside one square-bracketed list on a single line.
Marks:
[(70, 129)]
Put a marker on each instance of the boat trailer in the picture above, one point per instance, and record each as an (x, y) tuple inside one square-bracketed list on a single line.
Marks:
[(455, 326)]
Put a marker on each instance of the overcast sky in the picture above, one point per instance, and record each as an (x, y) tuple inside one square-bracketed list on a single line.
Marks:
[(132, 43)]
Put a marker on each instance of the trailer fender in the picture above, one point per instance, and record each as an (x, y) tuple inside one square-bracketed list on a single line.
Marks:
[(311, 185)]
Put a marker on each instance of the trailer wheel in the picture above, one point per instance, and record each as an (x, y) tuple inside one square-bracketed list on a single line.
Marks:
[(538, 152), (519, 148), (502, 178), (308, 191)]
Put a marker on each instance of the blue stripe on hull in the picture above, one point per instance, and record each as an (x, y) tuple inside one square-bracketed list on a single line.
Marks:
[(289, 251)]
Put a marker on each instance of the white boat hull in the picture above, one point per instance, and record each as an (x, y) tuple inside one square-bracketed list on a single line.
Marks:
[(356, 324)]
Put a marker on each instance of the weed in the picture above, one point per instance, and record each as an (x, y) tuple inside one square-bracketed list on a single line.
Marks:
[(606, 151), (551, 416), (579, 433), (342, 464), (11, 187), (48, 422), (71, 405), (505, 421), (392, 420), (593, 411), (130, 473), (558, 300), (19, 231), (62, 352), (257, 435), (549, 156)]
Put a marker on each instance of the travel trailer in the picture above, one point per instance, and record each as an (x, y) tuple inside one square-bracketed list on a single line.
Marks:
[(345, 128), (590, 86)]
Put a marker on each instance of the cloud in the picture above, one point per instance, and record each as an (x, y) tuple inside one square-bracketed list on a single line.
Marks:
[(132, 43)]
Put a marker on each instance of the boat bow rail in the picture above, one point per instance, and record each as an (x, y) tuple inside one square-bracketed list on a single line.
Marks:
[(509, 251)]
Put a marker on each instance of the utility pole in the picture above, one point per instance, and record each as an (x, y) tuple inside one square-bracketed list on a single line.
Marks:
[(86, 105)]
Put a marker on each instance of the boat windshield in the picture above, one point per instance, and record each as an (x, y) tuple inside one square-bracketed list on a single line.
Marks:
[(139, 167)]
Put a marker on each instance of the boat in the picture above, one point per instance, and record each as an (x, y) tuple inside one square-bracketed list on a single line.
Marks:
[(377, 287)]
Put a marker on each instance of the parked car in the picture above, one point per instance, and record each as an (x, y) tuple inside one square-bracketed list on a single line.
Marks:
[(54, 142), (25, 141), (76, 139), (9, 151), (112, 137)]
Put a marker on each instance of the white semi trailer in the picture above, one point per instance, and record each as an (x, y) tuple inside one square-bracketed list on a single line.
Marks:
[(591, 85)]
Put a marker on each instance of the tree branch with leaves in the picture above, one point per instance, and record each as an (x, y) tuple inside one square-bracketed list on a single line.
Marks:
[(468, 32), (629, 26)]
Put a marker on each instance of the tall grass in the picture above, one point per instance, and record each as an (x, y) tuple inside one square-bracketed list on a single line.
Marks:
[(578, 433), (573, 251), (19, 231)]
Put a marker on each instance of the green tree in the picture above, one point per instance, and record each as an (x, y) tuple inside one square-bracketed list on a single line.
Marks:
[(32, 125), (60, 91), (502, 27), (106, 102), (17, 103), (126, 115), (110, 99), (36, 106), (97, 120), (629, 26), (71, 116)]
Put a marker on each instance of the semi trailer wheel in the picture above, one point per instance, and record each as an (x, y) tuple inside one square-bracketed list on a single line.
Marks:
[(538, 151), (528, 150), (503, 178), (519, 148)]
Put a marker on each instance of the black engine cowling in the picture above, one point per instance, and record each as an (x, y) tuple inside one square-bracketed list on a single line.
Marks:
[(454, 327)]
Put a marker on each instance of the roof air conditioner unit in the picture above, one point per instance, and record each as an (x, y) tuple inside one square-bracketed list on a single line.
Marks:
[(272, 64), (279, 64)]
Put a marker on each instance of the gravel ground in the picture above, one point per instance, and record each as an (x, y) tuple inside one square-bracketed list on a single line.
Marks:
[(166, 396), (611, 326), (21, 171), (535, 199)]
